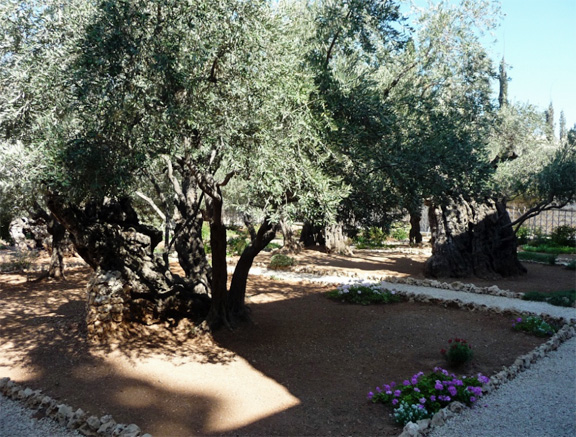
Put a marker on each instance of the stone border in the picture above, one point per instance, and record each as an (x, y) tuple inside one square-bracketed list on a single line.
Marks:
[(65, 415), (522, 363)]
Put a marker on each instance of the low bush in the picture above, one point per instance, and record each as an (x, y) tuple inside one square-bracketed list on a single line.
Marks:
[(364, 293), (534, 325), (565, 298), (272, 246), (571, 265), (280, 262), (424, 395), (458, 352), (537, 257), (564, 236), (548, 248)]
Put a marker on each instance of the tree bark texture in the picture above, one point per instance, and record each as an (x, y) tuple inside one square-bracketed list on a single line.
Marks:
[(130, 283), (336, 241), (414, 234), (237, 294), (469, 238)]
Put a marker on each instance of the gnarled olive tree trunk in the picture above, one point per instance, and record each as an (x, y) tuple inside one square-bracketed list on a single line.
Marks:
[(130, 283), (259, 240), (470, 238)]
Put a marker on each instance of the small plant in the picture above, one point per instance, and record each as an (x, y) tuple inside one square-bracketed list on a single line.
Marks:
[(399, 232), (571, 265), (280, 262), (364, 293), (422, 395), (522, 235), (272, 246), (458, 353), (537, 257), (564, 236), (564, 298), (534, 325), (236, 245)]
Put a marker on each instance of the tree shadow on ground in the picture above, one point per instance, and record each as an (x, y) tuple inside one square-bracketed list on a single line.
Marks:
[(312, 358)]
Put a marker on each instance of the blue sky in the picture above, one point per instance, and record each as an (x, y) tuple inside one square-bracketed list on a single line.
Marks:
[(538, 39)]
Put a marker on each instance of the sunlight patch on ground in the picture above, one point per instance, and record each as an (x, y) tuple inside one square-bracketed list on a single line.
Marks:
[(230, 407)]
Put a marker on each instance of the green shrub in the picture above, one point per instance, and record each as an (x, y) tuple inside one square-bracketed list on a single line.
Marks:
[(236, 245), (424, 395), (364, 293), (399, 232), (564, 236), (548, 248), (571, 265), (459, 352), (272, 246), (537, 257), (565, 298), (522, 235), (534, 325), (280, 262)]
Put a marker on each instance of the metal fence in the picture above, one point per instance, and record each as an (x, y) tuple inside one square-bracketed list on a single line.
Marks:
[(546, 221)]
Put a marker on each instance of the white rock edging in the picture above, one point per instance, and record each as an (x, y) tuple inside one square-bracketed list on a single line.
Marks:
[(66, 416)]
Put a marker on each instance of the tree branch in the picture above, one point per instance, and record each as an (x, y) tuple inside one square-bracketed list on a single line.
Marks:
[(152, 204)]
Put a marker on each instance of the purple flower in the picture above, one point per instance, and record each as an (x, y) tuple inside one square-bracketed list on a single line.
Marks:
[(422, 400), (483, 379), (472, 399), (459, 382), (438, 385), (416, 389), (392, 384), (388, 392), (420, 406), (386, 387), (394, 401), (519, 319), (370, 395), (397, 393), (378, 389), (414, 380), (452, 390), (433, 398), (406, 382)]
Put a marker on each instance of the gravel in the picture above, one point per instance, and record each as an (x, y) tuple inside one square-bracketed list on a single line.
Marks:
[(540, 402), (17, 421)]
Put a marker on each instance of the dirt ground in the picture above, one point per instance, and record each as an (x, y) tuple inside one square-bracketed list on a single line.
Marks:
[(303, 367)]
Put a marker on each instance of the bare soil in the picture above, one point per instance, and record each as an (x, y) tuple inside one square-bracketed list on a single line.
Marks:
[(303, 367)]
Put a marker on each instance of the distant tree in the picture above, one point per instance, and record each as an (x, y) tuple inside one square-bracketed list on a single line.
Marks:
[(550, 123), (503, 81), (562, 132)]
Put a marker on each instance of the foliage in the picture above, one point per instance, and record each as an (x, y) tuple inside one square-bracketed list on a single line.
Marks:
[(564, 235), (549, 247), (280, 261), (523, 234), (571, 265), (537, 257), (399, 232), (236, 245), (272, 246), (428, 393), (370, 238), (565, 298), (364, 293), (534, 325), (459, 352)]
